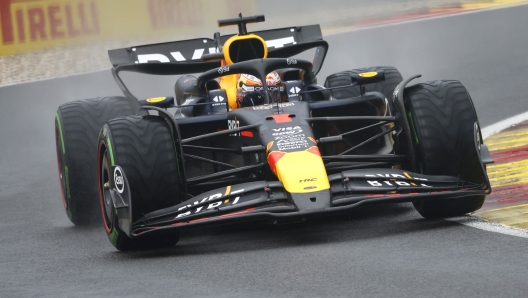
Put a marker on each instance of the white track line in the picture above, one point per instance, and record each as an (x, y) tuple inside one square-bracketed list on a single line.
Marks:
[(497, 127), (481, 224)]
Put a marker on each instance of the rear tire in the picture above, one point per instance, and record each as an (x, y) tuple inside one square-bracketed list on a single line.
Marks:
[(442, 118), (392, 79), (144, 148), (77, 125)]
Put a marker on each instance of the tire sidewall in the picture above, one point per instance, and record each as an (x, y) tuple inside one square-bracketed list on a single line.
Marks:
[(117, 237), (62, 165), (430, 160), (76, 164)]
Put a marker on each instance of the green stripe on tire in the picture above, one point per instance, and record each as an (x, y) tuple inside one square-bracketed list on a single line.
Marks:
[(67, 182), (411, 122), (60, 133), (110, 152)]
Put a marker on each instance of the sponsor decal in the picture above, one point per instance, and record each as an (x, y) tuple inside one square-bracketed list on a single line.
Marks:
[(263, 107), (32, 21), (188, 209), (177, 55), (280, 105), (309, 187), (289, 138), (220, 101), (233, 124), (290, 132), (395, 176), (294, 91), (119, 181), (270, 88), (198, 53), (280, 42), (394, 182), (288, 128), (156, 99), (292, 143), (308, 180), (223, 69), (29, 25), (295, 145), (368, 74)]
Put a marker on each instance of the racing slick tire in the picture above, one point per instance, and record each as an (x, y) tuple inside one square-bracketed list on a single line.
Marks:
[(392, 79), (144, 148), (77, 125), (442, 118)]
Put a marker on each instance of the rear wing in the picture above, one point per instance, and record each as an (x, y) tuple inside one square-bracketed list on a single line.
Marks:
[(282, 43)]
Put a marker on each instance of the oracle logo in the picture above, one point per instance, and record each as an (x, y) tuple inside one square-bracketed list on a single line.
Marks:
[(198, 53)]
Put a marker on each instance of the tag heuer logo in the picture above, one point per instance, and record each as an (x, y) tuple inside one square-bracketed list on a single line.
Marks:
[(221, 70)]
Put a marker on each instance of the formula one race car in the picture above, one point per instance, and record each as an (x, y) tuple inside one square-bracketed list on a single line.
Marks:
[(253, 137)]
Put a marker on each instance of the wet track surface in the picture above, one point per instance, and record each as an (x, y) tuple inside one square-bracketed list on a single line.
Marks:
[(383, 251)]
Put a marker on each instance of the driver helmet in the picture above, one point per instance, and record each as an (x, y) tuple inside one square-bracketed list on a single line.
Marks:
[(251, 93)]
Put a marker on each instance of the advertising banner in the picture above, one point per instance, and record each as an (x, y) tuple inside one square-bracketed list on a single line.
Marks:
[(27, 25)]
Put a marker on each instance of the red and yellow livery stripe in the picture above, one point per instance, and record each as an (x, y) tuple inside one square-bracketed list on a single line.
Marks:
[(301, 171)]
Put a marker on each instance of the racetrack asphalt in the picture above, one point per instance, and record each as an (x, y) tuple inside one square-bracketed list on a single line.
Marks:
[(383, 251)]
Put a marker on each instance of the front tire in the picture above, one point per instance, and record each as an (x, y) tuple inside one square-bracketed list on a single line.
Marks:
[(77, 125), (442, 118), (144, 148)]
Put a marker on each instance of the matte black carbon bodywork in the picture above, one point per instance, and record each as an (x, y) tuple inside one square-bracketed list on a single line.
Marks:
[(369, 180), (228, 159)]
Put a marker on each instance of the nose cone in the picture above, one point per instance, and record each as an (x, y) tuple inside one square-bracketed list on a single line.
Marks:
[(300, 171)]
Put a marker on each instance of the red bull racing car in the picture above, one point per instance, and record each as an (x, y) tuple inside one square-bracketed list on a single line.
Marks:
[(254, 137)]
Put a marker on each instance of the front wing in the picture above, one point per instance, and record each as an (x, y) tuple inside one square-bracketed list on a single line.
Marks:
[(265, 200)]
